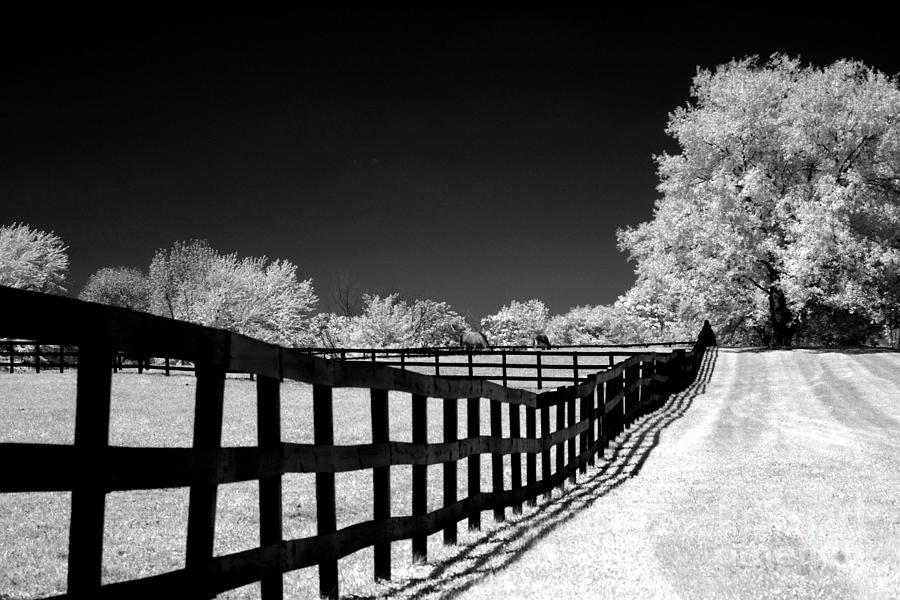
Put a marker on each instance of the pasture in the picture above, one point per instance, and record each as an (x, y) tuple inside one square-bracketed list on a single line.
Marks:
[(145, 530), (155, 463)]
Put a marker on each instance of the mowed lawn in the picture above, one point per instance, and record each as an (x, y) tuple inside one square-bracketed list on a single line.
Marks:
[(145, 530), (781, 479)]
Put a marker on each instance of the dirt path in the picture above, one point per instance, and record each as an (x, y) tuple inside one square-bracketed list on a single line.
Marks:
[(776, 476)]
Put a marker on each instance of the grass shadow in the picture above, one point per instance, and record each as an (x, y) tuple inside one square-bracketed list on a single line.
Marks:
[(490, 550)]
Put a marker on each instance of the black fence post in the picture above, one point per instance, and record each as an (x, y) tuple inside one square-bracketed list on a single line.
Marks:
[(591, 402), (268, 424), (531, 457), (92, 406), (210, 374), (515, 458), (571, 422), (497, 459), (545, 453), (561, 446), (583, 436), (450, 435), (381, 481), (473, 430), (419, 475), (326, 513)]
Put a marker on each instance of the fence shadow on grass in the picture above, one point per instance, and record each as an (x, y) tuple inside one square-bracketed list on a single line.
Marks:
[(462, 566)]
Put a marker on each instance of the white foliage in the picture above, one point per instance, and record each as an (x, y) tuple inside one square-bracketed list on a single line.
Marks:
[(118, 286), (193, 282), (389, 322), (32, 259), (516, 323), (786, 188)]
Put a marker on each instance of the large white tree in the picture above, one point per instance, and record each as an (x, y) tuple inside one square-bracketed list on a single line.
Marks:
[(254, 296), (785, 196), (32, 259)]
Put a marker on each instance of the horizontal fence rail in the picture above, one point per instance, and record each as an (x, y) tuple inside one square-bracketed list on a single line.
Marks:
[(588, 414)]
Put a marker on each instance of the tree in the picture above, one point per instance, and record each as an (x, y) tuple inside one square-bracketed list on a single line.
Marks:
[(434, 323), (581, 325), (191, 281), (179, 280), (330, 330), (384, 322), (118, 286), (388, 321), (516, 323), (261, 299), (784, 195), (346, 296), (32, 259)]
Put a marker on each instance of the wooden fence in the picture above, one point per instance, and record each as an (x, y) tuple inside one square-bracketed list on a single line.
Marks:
[(588, 415), (503, 364), (26, 354)]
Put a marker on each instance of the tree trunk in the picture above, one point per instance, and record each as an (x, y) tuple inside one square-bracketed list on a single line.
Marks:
[(779, 319)]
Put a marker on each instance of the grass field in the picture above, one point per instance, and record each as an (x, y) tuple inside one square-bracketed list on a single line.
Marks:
[(145, 530)]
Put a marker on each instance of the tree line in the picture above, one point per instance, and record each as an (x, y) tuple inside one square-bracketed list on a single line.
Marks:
[(265, 299), (778, 220)]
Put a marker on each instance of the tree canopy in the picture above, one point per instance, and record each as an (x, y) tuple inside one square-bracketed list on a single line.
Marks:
[(391, 322), (254, 296), (783, 202), (515, 323), (118, 286), (32, 259)]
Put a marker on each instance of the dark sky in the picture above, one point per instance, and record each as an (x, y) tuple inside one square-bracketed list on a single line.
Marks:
[(473, 158)]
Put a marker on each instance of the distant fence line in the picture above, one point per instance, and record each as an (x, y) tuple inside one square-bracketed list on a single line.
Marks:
[(588, 416), (47, 357), (31, 355)]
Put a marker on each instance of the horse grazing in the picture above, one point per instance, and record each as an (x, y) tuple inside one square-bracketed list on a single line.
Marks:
[(473, 339), (540, 340)]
